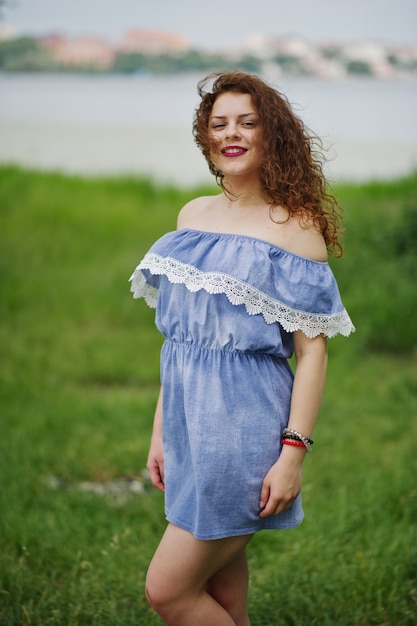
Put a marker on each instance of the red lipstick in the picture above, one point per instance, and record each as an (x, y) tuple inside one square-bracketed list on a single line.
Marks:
[(233, 151)]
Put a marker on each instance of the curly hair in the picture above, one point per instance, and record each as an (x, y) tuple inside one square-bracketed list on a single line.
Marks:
[(292, 167)]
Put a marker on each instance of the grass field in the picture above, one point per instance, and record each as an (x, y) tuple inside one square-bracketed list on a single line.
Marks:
[(79, 378)]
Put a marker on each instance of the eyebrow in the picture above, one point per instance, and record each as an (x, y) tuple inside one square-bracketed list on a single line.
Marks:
[(223, 117)]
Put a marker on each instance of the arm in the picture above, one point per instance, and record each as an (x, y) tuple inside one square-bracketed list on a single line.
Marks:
[(282, 483), (155, 462)]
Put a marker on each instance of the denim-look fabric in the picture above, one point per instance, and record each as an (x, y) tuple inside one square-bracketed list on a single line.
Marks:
[(227, 306)]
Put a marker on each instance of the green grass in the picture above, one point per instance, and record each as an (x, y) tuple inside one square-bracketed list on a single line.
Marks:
[(78, 383)]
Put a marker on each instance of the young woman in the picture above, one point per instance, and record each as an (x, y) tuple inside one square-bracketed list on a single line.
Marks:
[(240, 286)]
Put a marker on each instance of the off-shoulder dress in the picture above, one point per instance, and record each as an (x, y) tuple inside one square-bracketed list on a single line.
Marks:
[(227, 306)]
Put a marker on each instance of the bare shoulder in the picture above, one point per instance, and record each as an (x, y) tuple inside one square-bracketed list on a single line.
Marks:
[(191, 213), (306, 240)]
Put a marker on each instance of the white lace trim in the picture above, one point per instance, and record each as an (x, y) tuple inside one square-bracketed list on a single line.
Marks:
[(238, 292)]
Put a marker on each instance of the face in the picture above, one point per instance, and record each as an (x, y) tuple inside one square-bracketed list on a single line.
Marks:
[(235, 126)]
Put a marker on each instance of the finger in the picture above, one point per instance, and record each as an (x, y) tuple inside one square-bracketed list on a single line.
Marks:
[(265, 492), (276, 505), (156, 477), (270, 506), (158, 483), (269, 509), (161, 473), (160, 486)]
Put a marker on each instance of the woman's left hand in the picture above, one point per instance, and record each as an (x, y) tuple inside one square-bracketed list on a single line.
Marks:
[(282, 484)]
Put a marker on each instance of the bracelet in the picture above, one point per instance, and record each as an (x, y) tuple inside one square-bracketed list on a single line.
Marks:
[(293, 437), (291, 431), (306, 441), (292, 442)]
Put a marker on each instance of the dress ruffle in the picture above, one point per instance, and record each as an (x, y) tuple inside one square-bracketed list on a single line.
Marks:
[(296, 292)]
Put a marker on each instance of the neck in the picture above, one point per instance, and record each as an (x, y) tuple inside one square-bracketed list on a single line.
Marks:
[(243, 190)]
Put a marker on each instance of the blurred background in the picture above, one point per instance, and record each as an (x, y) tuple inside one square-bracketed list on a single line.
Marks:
[(110, 87)]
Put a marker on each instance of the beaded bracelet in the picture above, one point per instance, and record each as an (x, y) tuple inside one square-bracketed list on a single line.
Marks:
[(291, 431), (306, 441), (293, 437), (293, 442)]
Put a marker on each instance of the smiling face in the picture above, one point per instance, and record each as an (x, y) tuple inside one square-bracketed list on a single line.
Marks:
[(234, 129)]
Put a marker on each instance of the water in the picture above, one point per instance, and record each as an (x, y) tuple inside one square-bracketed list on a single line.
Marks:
[(142, 124)]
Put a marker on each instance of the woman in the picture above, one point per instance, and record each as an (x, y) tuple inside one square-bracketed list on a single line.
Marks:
[(241, 285)]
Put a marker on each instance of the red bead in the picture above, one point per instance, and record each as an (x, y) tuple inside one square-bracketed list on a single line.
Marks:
[(292, 442)]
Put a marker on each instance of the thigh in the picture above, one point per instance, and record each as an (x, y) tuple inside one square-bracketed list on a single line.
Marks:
[(189, 563), (233, 576)]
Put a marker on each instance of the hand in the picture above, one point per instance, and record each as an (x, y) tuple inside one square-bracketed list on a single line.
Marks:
[(282, 484), (155, 463)]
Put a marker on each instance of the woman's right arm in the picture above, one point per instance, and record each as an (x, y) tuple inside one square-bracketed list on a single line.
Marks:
[(155, 463)]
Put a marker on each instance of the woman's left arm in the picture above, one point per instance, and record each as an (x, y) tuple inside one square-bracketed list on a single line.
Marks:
[(282, 484), (309, 381)]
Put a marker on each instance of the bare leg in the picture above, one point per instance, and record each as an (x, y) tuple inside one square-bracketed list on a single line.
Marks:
[(185, 572), (229, 587)]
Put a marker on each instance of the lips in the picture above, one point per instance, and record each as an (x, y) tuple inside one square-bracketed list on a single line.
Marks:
[(233, 151)]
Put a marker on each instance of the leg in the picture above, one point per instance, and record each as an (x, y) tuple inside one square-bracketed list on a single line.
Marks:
[(229, 587), (179, 572)]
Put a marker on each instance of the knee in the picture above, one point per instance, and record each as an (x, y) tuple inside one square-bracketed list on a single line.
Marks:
[(156, 595), (161, 596)]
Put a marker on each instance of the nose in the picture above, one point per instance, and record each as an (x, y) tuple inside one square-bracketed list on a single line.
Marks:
[(232, 130)]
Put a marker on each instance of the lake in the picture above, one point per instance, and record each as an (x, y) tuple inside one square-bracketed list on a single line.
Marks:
[(142, 124)]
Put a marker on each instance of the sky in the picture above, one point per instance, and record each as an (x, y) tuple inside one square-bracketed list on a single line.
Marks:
[(221, 24)]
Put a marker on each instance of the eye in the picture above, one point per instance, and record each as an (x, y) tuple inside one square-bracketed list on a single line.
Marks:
[(218, 125)]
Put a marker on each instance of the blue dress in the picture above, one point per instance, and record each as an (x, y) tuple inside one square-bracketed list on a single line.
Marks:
[(227, 306)]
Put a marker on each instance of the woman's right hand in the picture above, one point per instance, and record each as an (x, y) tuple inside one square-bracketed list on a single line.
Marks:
[(155, 463)]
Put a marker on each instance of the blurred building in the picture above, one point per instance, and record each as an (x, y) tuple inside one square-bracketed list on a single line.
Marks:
[(81, 51), (153, 42), (372, 53), (6, 31)]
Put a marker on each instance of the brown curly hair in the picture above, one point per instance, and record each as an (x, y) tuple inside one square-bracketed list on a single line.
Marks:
[(292, 168)]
